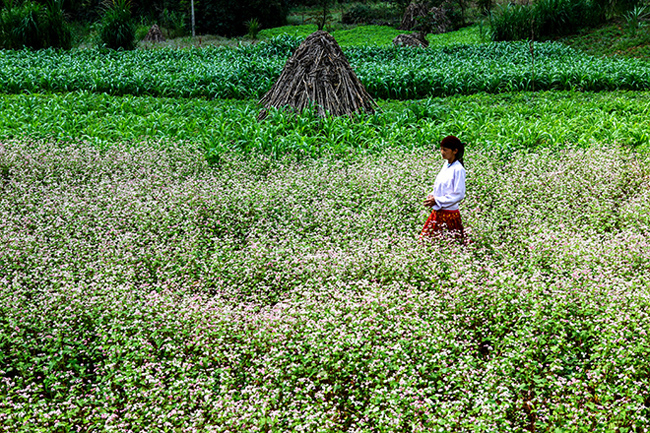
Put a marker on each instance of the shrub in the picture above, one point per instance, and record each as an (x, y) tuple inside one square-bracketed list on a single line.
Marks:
[(485, 6), (544, 19), (117, 28), (636, 19), (57, 32), (549, 18), (357, 13), (19, 26), (614, 7), (455, 11), (34, 26), (561, 17), (141, 31), (512, 22), (174, 23), (253, 27)]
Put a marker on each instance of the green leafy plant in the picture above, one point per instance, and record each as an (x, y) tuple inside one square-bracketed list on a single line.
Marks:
[(544, 19), (33, 25), (174, 23), (485, 6), (141, 31), (636, 19), (118, 28), (386, 72), (511, 22), (21, 25), (253, 27), (57, 31)]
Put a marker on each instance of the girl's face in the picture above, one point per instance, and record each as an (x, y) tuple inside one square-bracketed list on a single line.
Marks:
[(448, 154)]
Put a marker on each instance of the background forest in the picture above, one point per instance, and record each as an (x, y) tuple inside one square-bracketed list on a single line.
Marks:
[(122, 23)]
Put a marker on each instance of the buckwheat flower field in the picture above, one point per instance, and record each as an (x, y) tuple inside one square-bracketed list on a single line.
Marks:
[(143, 290)]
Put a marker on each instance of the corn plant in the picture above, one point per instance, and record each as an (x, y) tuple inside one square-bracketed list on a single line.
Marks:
[(253, 27), (501, 123), (386, 72)]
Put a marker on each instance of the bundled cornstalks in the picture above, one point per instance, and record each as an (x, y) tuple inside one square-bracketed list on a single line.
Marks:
[(425, 19), (413, 13), (414, 40), (154, 35), (318, 75)]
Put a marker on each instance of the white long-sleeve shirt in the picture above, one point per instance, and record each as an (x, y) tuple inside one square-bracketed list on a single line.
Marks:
[(449, 188)]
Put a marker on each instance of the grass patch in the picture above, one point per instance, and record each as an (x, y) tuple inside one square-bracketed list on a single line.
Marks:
[(612, 40), (373, 35), (300, 31)]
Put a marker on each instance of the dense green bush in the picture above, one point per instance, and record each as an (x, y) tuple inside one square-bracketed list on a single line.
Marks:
[(357, 13), (33, 25), (548, 18), (561, 17), (117, 28), (513, 22), (19, 26), (456, 11), (57, 31)]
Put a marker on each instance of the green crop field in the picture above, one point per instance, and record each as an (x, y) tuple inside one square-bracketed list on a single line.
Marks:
[(168, 263), (387, 72), (503, 122)]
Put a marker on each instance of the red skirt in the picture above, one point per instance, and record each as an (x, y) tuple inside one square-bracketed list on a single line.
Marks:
[(443, 220)]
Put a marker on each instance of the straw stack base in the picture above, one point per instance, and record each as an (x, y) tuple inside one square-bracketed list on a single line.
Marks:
[(319, 77)]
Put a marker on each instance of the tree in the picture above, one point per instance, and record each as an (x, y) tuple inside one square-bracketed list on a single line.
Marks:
[(325, 16)]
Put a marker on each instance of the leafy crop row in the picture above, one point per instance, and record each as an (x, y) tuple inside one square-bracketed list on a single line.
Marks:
[(503, 122), (141, 290), (387, 72)]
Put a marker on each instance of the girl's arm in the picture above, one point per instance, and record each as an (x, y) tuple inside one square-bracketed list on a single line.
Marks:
[(455, 193)]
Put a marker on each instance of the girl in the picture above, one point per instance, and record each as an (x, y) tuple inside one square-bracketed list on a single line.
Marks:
[(448, 191)]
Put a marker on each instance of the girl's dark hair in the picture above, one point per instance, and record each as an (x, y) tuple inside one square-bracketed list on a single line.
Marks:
[(453, 143)]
